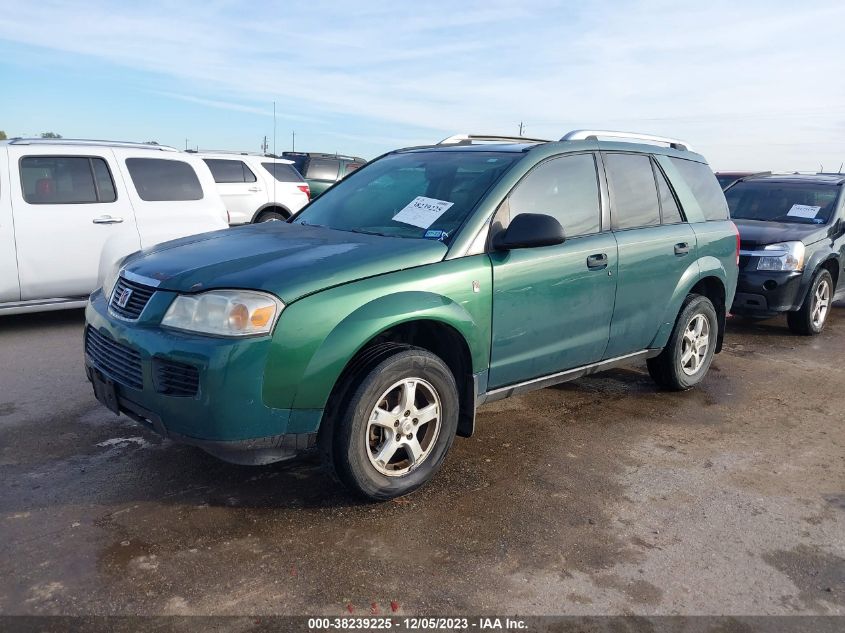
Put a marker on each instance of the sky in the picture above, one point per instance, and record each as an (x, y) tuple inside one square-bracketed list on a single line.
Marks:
[(751, 85)]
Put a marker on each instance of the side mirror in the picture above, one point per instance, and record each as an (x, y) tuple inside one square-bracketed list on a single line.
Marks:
[(528, 230)]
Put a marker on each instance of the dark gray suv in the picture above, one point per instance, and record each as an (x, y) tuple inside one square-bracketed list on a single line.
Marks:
[(792, 246)]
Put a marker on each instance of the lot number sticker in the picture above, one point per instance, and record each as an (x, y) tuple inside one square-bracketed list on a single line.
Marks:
[(803, 211), (422, 212)]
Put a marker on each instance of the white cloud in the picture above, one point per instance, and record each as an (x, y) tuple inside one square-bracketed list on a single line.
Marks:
[(756, 84)]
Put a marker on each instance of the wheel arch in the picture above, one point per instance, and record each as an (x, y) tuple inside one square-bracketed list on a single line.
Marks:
[(271, 206)]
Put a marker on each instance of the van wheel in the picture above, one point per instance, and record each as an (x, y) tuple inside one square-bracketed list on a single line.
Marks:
[(271, 216), (396, 429), (685, 360), (810, 318)]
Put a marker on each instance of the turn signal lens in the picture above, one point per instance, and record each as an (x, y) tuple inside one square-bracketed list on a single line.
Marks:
[(224, 313)]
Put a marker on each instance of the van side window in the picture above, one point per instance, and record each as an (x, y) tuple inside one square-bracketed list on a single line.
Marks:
[(668, 205), (633, 194), (66, 180), (229, 171), (159, 179), (704, 186), (565, 188)]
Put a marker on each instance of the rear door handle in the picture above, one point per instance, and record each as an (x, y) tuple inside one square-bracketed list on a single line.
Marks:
[(107, 219), (254, 189), (597, 261), (681, 248)]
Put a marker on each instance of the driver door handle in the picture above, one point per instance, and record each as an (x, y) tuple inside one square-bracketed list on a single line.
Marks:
[(254, 189), (107, 219), (597, 261)]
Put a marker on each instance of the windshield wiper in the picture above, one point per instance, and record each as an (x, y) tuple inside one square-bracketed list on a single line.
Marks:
[(368, 232)]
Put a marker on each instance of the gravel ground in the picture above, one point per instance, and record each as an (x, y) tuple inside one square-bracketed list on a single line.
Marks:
[(602, 496)]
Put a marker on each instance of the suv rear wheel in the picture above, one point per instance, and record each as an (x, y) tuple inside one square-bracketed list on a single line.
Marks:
[(398, 426), (684, 361), (809, 320), (271, 216)]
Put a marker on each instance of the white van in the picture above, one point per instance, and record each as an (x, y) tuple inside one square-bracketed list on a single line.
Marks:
[(71, 208), (255, 187)]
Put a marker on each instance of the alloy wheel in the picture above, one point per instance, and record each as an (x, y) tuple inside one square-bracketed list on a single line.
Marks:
[(695, 343), (403, 427), (821, 304)]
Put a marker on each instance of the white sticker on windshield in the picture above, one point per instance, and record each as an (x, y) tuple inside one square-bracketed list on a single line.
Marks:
[(422, 212), (803, 211)]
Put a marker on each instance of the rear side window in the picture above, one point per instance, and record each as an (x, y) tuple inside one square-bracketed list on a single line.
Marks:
[(350, 167), (633, 195), (668, 205), (158, 179), (704, 187), (229, 171), (323, 169), (283, 172), (66, 180), (565, 188)]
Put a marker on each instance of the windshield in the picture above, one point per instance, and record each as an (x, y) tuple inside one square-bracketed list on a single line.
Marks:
[(414, 194), (801, 203)]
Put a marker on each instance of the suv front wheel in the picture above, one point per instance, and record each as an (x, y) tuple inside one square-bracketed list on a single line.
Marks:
[(398, 426), (810, 318), (684, 361)]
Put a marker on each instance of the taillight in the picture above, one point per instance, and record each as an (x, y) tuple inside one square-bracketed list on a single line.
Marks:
[(736, 230), (305, 189)]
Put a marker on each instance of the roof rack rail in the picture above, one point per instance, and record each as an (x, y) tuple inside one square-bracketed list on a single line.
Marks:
[(233, 152), (85, 141), (467, 139), (582, 135)]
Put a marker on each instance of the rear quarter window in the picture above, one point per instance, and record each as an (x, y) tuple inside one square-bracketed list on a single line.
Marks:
[(159, 180), (704, 187), (229, 171), (283, 172)]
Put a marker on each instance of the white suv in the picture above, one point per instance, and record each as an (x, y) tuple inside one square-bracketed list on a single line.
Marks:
[(70, 209), (257, 188)]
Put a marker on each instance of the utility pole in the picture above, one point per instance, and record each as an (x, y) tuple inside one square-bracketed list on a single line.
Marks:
[(521, 128), (264, 145), (186, 145), (293, 141)]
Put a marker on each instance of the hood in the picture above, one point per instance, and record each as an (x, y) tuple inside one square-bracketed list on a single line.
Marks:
[(753, 233), (288, 260)]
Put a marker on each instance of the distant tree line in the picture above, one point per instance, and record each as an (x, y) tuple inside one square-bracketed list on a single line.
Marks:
[(3, 136)]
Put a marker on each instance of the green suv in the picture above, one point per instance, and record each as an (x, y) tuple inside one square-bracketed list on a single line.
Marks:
[(434, 279), (321, 171)]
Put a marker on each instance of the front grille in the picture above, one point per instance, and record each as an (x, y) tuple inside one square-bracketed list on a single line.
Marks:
[(120, 363), (175, 379), (135, 301)]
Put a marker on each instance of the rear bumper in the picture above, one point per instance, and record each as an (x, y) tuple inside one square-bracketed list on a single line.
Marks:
[(226, 416), (764, 293)]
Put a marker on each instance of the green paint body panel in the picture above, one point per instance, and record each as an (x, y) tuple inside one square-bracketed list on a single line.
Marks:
[(523, 314), (550, 312)]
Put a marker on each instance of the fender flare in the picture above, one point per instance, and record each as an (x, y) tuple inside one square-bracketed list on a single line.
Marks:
[(264, 207)]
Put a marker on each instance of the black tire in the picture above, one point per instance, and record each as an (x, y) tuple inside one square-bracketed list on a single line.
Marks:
[(352, 438), (803, 321), (271, 216), (667, 369)]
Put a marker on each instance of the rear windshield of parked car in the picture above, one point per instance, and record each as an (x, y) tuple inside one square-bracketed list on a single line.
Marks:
[(414, 194), (283, 172), (66, 180), (158, 179), (800, 203), (704, 186), (323, 169)]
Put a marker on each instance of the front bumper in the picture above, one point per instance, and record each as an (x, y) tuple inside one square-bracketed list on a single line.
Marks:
[(226, 416), (767, 293)]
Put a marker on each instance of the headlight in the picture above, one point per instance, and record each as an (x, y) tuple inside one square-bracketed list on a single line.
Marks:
[(111, 278), (785, 256), (224, 313)]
